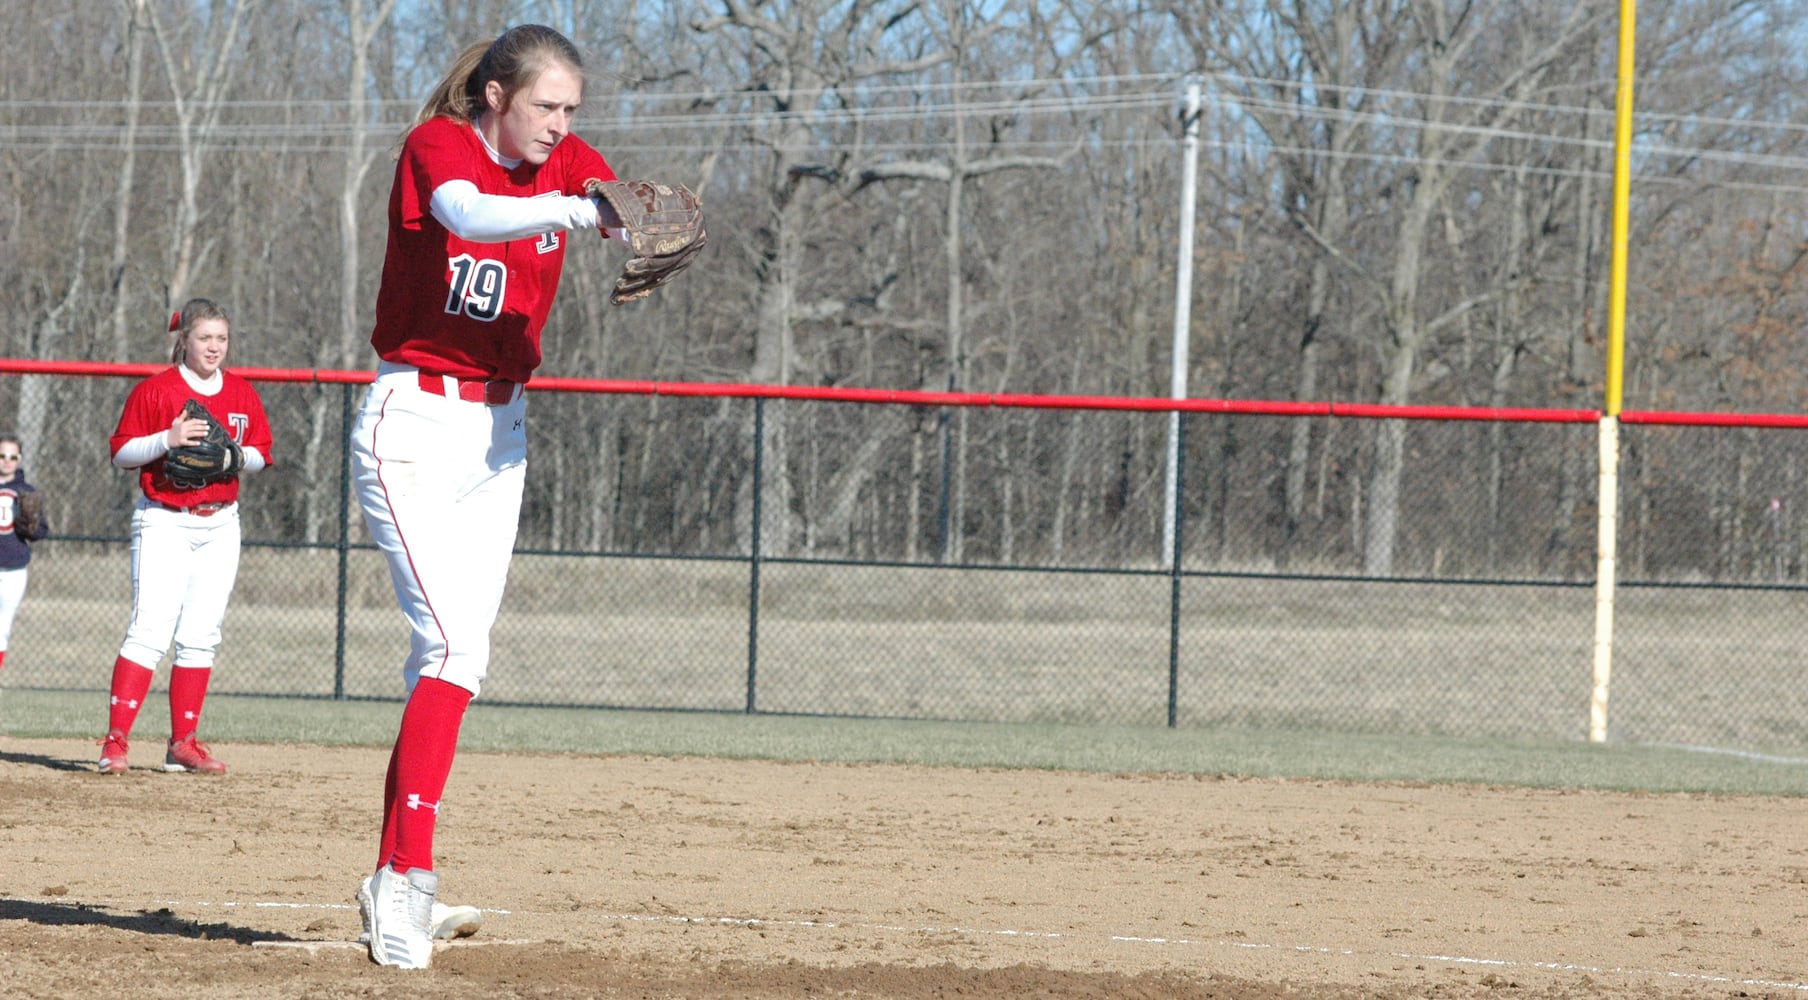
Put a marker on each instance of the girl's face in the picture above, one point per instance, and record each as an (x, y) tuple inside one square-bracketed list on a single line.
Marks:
[(538, 117), (206, 347), (9, 460)]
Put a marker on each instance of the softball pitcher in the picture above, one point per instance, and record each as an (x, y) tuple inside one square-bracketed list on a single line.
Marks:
[(488, 183), (486, 186), (190, 430)]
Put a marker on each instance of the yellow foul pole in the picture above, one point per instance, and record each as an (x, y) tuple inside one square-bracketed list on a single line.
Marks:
[(1622, 189), (1609, 487)]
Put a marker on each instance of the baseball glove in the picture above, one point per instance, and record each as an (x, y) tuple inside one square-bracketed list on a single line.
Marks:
[(665, 231), (28, 515), (213, 458)]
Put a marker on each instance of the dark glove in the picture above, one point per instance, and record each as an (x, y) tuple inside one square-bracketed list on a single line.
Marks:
[(213, 458), (28, 515)]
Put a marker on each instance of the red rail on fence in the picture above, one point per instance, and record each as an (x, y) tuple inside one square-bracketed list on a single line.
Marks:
[(1714, 419), (849, 394)]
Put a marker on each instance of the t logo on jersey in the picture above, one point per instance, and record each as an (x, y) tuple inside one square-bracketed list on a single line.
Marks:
[(548, 242)]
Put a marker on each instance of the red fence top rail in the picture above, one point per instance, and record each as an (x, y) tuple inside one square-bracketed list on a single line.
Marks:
[(32, 366), (1714, 419), (911, 397)]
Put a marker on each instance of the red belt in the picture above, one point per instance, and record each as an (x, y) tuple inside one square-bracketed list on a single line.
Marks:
[(493, 392), (199, 510)]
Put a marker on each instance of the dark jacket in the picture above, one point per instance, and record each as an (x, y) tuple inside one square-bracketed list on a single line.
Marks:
[(15, 550)]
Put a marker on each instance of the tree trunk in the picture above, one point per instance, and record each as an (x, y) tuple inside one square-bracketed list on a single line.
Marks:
[(1579, 364), (955, 491), (320, 506), (122, 196), (1382, 526), (1508, 337), (198, 104), (34, 390)]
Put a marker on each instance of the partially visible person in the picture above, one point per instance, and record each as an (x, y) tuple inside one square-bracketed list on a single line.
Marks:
[(185, 528), (22, 521)]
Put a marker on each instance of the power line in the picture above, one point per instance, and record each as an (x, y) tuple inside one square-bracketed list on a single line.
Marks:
[(1154, 88), (323, 131)]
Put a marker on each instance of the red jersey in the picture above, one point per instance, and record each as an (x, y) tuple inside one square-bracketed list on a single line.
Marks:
[(152, 407), (450, 306)]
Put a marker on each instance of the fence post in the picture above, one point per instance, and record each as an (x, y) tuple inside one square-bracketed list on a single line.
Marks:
[(1174, 579), (1183, 306), (944, 507), (344, 546), (753, 559), (1606, 575)]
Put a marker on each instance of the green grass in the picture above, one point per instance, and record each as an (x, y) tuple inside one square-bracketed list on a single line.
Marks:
[(1716, 668), (1110, 749)]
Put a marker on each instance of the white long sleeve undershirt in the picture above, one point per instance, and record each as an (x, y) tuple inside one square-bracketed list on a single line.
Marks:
[(493, 218), (151, 447)]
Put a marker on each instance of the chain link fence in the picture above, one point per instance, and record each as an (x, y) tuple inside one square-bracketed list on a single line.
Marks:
[(740, 554)]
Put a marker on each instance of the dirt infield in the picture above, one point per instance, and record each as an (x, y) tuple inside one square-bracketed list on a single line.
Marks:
[(702, 878)]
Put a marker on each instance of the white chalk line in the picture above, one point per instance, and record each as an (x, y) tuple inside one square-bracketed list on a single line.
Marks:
[(1729, 752), (259, 904), (316, 946), (1002, 932)]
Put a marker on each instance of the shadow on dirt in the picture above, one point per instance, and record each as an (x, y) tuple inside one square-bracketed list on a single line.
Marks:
[(46, 762), (160, 921)]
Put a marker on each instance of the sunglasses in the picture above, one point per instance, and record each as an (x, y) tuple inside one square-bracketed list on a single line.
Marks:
[(9, 458)]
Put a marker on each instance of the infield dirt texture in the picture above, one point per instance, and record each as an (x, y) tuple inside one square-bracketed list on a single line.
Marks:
[(648, 877)]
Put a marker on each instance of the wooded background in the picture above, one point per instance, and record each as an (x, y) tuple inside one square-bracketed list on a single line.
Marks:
[(1400, 201)]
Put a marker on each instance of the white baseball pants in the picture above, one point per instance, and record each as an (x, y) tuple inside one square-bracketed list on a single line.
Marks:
[(183, 569), (440, 480), (12, 593)]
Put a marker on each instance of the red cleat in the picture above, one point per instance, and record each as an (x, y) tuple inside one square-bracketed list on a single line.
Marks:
[(190, 754), (112, 753)]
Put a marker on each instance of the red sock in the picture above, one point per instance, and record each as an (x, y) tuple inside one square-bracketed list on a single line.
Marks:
[(418, 768), (130, 682), (187, 692), (386, 845)]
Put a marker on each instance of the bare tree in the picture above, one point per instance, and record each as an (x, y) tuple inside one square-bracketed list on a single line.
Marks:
[(966, 162), (1405, 201), (200, 72), (1306, 74), (344, 350), (137, 15), (800, 59), (1455, 94)]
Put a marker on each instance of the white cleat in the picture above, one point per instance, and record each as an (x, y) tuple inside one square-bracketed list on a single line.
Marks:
[(455, 921), (398, 916), (449, 922)]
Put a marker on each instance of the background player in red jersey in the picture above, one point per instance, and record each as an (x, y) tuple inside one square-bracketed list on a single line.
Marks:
[(18, 530), (488, 183), (185, 540)]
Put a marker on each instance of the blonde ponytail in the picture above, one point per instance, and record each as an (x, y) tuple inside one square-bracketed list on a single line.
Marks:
[(458, 94)]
